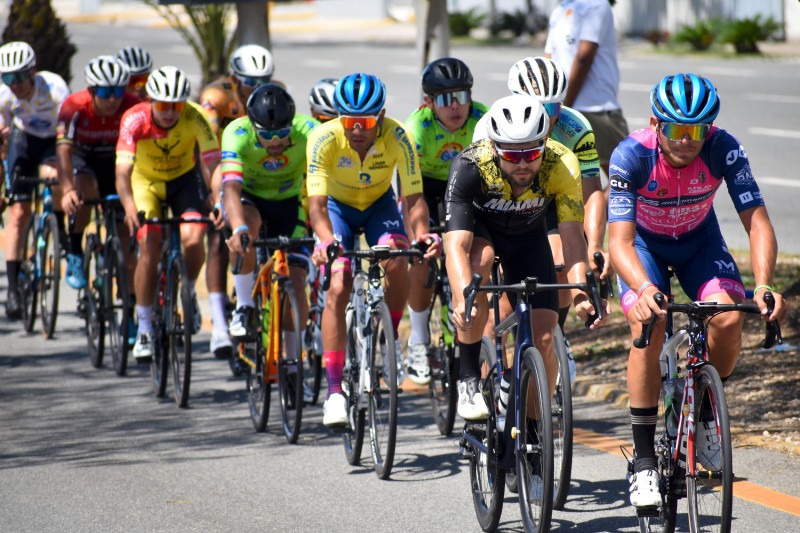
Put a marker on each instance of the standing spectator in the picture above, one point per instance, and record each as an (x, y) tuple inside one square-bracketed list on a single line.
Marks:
[(582, 39)]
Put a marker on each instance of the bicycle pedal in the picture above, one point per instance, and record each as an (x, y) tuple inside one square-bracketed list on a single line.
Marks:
[(339, 428), (649, 511), (143, 360)]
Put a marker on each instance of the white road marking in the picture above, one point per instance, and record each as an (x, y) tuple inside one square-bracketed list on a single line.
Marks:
[(773, 132), (322, 63), (781, 182), (638, 87), (779, 98)]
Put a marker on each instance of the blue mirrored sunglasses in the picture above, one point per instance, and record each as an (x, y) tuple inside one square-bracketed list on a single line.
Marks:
[(107, 92), (553, 109), (253, 83), (15, 77), (446, 99), (269, 135)]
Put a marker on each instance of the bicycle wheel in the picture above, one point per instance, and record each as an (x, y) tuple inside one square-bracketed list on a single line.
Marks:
[(444, 374), (382, 391), (50, 276), (159, 364), (181, 317), (26, 279), (90, 300), (535, 437), (312, 361), (486, 479), (561, 407), (354, 434), (116, 305), (710, 490), (258, 388), (290, 364)]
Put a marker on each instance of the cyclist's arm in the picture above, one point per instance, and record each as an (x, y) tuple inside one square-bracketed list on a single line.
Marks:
[(575, 261), (594, 221), (627, 265), (66, 180), (124, 170), (581, 66), (458, 244), (763, 255), (321, 225)]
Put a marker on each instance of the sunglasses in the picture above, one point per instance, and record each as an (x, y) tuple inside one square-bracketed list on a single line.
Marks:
[(270, 135), (363, 122), (553, 109), (107, 92), (446, 99), (138, 81), (253, 83), (168, 106), (675, 131), (515, 156), (15, 77), (323, 118)]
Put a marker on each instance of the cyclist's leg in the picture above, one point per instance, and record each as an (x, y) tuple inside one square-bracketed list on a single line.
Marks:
[(87, 187), (217, 278), (186, 200), (147, 195), (242, 324)]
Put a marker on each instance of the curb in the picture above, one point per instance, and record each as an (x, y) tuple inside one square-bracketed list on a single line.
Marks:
[(590, 389)]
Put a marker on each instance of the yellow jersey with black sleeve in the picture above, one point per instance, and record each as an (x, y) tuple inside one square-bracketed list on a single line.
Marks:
[(336, 170), (159, 154), (478, 190)]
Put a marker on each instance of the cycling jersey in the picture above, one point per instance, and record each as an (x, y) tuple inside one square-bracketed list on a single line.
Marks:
[(335, 169), (220, 100), (37, 115), (437, 147), (261, 174), (163, 155), (670, 202), (478, 190), (91, 135)]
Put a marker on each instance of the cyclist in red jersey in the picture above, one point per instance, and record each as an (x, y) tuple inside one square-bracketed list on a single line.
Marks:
[(140, 64), (86, 140)]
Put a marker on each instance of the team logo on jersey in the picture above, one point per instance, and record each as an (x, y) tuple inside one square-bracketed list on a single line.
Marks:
[(585, 149), (620, 206), (438, 137), (274, 163), (701, 176), (285, 185), (733, 155), (344, 162), (746, 197), (618, 184), (365, 178), (449, 151), (662, 191), (652, 185), (744, 176), (240, 131)]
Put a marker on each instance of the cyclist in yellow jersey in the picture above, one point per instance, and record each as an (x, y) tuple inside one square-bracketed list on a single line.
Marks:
[(155, 163), (351, 162), (224, 100)]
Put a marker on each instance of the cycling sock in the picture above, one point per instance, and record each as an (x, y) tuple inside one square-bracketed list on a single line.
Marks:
[(76, 243), (334, 364), (396, 317), (244, 284), (218, 318), (643, 423), (470, 357), (419, 326), (145, 315), (563, 312), (12, 271)]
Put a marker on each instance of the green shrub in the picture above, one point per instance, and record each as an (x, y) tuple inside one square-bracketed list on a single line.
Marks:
[(701, 35), (462, 23), (513, 22), (744, 34)]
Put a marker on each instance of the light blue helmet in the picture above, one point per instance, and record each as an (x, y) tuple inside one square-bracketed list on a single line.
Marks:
[(685, 98), (359, 94)]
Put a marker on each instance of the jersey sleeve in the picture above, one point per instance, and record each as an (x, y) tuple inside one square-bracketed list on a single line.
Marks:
[(320, 144), (232, 163), (622, 189), (462, 186), (568, 189), (407, 162), (729, 154), (206, 139), (413, 126), (68, 117), (130, 131)]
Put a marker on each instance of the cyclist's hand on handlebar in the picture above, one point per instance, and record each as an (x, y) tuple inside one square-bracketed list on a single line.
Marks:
[(132, 219), (646, 306), (585, 311), (216, 217), (234, 243), (434, 243), (779, 312), (320, 255), (71, 201), (460, 316)]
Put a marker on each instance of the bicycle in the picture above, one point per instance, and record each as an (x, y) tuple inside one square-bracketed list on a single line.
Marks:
[(173, 312), (709, 491), (529, 441), (312, 341), (266, 356), (369, 378), (105, 302), (40, 269)]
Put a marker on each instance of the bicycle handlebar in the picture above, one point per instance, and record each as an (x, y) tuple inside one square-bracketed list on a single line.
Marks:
[(433, 266), (237, 267), (606, 287), (376, 253)]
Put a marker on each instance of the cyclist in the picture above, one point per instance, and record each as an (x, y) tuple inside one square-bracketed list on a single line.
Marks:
[(87, 134), (224, 100), (140, 65), (155, 163), (29, 102), (320, 100), (496, 203), (263, 169), (441, 128), (663, 181), (351, 163)]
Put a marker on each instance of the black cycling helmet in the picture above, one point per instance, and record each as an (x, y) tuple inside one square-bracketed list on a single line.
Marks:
[(446, 74), (270, 107)]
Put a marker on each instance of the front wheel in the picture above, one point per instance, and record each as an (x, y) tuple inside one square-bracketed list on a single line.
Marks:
[(181, 318), (159, 365), (116, 305), (382, 391), (90, 301), (26, 280), (50, 276), (710, 489), (354, 432), (258, 386), (561, 407), (290, 362)]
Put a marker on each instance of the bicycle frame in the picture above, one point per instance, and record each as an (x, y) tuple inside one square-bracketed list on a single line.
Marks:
[(367, 292)]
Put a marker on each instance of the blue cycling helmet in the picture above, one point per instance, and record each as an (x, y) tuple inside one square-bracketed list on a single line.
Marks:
[(686, 98), (359, 94)]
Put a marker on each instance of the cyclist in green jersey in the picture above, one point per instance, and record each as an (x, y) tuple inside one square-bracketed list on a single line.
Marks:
[(263, 168), (441, 129)]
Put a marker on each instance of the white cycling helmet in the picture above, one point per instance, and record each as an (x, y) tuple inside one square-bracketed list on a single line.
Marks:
[(540, 77), (16, 56), (252, 61), (168, 84), (321, 97), (106, 71), (137, 59), (517, 119)]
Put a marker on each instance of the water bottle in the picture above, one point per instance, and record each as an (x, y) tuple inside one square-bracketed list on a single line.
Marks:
[(265, 314)]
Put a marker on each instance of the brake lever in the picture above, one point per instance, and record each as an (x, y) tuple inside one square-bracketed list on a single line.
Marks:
[(470, 292), (644, 340), (773, 329)]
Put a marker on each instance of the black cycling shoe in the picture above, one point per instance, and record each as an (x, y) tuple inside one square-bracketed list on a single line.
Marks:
[(13, 306)]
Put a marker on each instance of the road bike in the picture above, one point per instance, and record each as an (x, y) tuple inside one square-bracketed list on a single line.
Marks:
[(106, 303), (268, 357), (312, 340), (683, 470), (526, 443)]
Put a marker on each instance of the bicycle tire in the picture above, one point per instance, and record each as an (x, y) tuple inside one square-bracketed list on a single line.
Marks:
[(159, 364), (90, 302), (711, 495), (312, 361), (290, 365), (382, 391), (181, 318), (353, 437), (50, 276), (117, 305), (444, 374), (258, 387), (561, 408), (26, 279), (536, 444), (487, 480)]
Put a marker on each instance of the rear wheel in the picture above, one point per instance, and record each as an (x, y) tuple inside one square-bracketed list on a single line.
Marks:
[(50, 276), (290, 363), (90, 301), (26, 282), (116, 305), (382, 391), (354, 433), (444, 373), (258, 387), (561, 407), (181, 318)]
